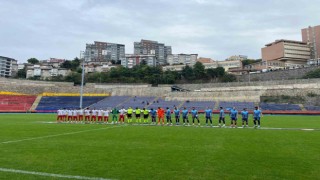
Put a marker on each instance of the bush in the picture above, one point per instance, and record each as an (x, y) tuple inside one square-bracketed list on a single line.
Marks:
[(312, 74)]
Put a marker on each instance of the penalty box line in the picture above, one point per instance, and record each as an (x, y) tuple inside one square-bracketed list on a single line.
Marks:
[(16, 171), (56, 135)]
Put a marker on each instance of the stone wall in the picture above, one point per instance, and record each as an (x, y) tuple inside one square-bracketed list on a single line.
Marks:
[(277, 75), (38, 87), (141, 91), (193, 87), (240, 91), (246, 93)]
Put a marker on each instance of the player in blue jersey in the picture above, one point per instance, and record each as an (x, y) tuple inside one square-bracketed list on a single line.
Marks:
[(257, 114), (153, 113), (168, 116), (208, 114), (234, 117), (194, 114), (177, 115), (185, 113), (222, 117), (245, 116)]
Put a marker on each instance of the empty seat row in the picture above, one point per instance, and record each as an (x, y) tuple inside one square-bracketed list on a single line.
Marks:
[(52, 103), (280, 107)]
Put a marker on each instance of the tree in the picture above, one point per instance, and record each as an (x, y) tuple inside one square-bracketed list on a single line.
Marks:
[(312, 74), (33, 61), (213, 73), (199, 71), (250, 61), (75, 64), (228, 78), (67, 64), (220, 71), (22, 73), (187, 73)]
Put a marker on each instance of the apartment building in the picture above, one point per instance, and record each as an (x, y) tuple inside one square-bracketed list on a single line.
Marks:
[(8, 67), (149, 47), (291, 53)]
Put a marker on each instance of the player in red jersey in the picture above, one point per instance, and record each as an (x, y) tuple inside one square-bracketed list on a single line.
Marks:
[(94, 115), (80, 114), (100, 115), (106, 115), (87, 115), (59, 115)]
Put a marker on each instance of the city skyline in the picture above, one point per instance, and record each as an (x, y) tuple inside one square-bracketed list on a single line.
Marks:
[(213, 29)]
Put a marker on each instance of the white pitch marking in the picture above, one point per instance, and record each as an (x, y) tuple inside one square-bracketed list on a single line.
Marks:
[(50, 174), (55, 135), (307, 129)]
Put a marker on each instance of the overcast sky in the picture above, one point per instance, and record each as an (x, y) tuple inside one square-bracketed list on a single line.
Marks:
[(210, 28)]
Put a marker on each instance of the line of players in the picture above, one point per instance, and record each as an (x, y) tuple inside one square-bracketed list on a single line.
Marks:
[(102, 116)]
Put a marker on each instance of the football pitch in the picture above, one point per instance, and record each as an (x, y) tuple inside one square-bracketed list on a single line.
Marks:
[(33, 146)]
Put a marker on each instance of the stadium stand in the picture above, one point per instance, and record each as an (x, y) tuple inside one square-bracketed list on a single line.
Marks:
[(238, 105), (281, 107), (16, 103), (110, 102), (199, 105), (163, 103), (312, 108), (53, 103), (139, 101)]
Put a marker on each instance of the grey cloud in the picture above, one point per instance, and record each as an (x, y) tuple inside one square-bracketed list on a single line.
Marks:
[(216, 29)]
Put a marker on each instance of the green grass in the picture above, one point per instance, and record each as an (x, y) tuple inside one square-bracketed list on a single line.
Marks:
[(156, 152)]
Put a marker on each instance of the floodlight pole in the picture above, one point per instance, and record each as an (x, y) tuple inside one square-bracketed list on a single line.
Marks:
[(82, 78)]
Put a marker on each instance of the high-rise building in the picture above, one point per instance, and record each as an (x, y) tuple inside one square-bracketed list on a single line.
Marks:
[(115, 52), (311, 36), (291, 53), (104, 51), (133, 60), (148, 47), (8, 67), (186, 59)]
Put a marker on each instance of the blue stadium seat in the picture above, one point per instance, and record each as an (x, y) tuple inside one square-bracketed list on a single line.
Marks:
[(239, 105), (52, 103), (280, 107), (312, 108)]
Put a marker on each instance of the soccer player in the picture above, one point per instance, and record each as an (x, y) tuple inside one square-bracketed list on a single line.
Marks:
[(185, 113), (69, 115), (80, 115), (64, 114), (234, 117), (222, 117), (87, 115), (59, 115), (194, 114), (245, 115), (122, 112), (114, 113), (138, 115), (168, 116), (177, 115), (257, 113), (208, 114), (100, 115), (160, 113), (145, 115), (75, 115), (106, 116), (94, 115), (129, 114), (153, 113)]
